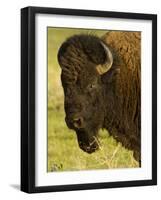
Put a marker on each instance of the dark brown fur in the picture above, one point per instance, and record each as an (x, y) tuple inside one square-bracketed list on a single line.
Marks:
[(112, 100)]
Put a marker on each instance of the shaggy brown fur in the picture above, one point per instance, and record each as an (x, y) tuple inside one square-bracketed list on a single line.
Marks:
[(124, 122), (111, 100)]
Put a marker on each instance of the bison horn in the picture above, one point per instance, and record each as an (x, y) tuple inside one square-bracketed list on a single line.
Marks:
[(103, 68)]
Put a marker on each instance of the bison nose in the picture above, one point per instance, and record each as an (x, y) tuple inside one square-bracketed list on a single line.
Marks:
[(78, 122), (75, 122)]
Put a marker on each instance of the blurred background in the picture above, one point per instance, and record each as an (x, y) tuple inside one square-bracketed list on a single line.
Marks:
[(63, 150)]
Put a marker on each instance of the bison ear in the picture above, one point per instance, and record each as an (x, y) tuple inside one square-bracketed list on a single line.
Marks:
[(103, 68)]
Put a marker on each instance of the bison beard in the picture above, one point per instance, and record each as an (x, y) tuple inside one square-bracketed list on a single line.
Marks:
[(101, 81)]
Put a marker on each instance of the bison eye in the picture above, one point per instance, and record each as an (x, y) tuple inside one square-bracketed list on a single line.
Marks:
[(91, 86)]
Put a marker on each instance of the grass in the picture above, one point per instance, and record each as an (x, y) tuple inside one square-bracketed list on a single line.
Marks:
[(63, 151)]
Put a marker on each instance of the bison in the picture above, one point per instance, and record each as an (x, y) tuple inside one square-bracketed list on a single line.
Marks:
[(101, 82)]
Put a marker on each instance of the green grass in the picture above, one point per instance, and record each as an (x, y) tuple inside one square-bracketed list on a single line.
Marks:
[(63, 151)]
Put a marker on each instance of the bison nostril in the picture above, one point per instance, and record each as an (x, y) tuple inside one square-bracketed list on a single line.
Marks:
[(78, 122)]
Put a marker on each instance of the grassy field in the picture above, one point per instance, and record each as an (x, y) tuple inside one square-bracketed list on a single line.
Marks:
[(63, 151)]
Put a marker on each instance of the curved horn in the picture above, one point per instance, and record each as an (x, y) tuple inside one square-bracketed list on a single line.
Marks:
[(103, 68)]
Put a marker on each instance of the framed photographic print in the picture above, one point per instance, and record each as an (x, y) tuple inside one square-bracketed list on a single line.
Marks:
[(88, 99)]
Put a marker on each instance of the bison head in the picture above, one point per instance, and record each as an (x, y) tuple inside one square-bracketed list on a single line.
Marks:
[(83, 59)]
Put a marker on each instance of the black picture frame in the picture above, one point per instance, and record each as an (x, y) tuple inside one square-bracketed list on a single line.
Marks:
[(28, 98)]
